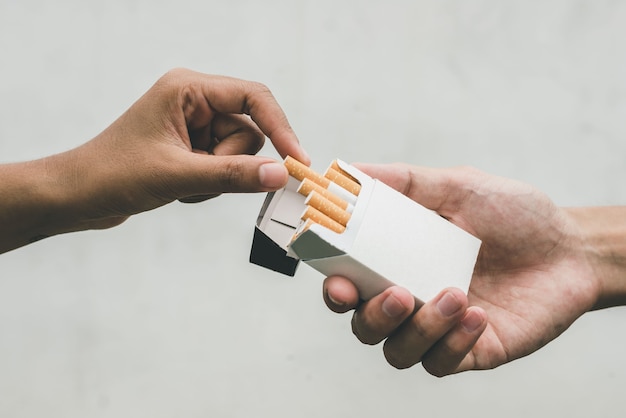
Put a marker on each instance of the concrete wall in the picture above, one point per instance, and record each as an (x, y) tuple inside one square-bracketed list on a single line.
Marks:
[(164, 317)]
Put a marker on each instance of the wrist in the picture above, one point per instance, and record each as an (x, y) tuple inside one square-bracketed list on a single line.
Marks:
[(31, 208), (603, 232)]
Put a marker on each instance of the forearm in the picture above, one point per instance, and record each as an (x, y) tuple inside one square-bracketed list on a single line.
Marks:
[(604, 233), (32, 196)]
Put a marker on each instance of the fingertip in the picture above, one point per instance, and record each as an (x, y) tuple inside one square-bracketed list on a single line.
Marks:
[(453, 354), (209, 175), (304, 157), (340, 294), (458, 293), (298, 153), (451, 302), (395, 358), (273, 176), (474, 320), (398, 301)]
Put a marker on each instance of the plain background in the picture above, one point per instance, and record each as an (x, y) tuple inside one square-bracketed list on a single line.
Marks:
[(164, 316)]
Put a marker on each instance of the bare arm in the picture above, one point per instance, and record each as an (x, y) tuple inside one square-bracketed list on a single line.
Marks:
[(191, 137), (31, 200), (604, 232)]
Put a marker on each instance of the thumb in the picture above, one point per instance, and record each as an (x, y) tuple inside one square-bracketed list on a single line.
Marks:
[(440, 189), (211, 175)]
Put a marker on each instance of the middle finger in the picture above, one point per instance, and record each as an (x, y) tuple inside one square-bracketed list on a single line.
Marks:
[(431, 322), (375, 319)]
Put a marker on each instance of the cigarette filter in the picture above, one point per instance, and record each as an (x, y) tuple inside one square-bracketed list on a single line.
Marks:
[(324, 220), (300, 172), (335, 166), (328, 208), (307, 186), (343, 181)]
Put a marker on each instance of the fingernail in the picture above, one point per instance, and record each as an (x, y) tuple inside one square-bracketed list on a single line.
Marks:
[(305, 155), (448, 305), (333, 300), (272, 175), (472, 321), (392, 307)]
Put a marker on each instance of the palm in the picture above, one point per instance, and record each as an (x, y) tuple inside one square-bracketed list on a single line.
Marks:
[(532, 278), (518, 279)]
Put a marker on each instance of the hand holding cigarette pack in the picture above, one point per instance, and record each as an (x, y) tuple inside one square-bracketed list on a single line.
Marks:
[(349, 224)]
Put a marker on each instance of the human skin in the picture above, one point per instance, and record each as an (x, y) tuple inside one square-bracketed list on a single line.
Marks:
[(540, 267), (190, 137)]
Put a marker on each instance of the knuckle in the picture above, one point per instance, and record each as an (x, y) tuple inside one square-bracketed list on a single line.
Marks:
[(231, 175), (256, 140), (407, 171), (175, 87), (401, 166), (465, 172), (181, 81), (419, 331), (172, 76), (257, 93), (468, 169), (176, 73), (259, 88)]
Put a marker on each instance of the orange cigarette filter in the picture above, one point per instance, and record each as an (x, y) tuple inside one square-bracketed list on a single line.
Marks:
[(335, 166), (307, 186), (307, 225), (300, 171), (343, 181), (324, 220), (303, 229), (328, 208)]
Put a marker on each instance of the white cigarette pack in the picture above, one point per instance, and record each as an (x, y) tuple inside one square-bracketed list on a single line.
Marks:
[(389, 239)]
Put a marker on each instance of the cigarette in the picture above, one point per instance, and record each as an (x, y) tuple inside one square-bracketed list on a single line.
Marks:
[(328, 208), (319, 218), (302, 229), (335, 166), (343, 181), (306, 226), (342, 193), (307, 186), (300, 171)]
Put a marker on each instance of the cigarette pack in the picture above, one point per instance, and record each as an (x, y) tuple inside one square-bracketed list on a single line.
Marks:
[(389, 239)]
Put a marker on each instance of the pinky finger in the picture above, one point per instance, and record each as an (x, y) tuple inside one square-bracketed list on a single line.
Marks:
[(452, 353)]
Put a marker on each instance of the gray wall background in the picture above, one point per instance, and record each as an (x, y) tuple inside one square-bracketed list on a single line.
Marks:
[(163, 316)]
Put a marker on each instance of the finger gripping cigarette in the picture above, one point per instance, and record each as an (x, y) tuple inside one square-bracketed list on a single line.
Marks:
[(328, 208), (343, 181), (319, 218)]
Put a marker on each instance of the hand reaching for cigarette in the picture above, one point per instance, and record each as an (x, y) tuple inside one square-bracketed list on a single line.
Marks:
[(188, 138), (540, 267)]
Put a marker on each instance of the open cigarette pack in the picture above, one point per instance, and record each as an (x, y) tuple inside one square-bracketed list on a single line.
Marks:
[(349, 224)]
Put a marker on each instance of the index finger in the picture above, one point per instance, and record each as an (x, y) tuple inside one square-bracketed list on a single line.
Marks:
[(231, 95)]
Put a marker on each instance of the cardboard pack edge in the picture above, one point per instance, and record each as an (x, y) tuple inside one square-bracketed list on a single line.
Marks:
[(267, 253), (358, 254)]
